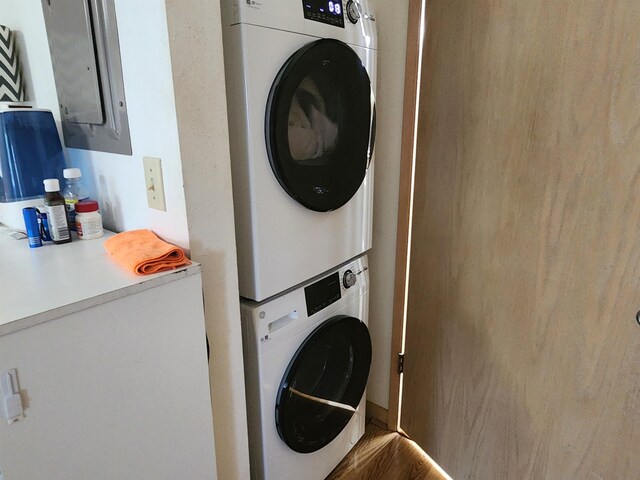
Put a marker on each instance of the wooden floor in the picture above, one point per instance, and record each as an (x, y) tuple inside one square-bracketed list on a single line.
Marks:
[(384, 455)]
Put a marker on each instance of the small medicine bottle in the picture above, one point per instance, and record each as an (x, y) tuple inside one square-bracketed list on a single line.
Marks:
[(88, 220), (73, 193), (56, 212)]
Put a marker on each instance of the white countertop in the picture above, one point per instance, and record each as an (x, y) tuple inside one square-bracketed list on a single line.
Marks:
[(41, 284)]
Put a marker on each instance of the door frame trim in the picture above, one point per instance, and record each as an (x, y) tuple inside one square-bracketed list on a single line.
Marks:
[(416, 28)]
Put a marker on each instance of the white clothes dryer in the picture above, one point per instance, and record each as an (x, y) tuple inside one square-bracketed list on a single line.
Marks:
[(300, 88), (307, 359)]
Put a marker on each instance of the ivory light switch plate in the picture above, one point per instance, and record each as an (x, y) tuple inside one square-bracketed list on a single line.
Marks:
[(153, 181)]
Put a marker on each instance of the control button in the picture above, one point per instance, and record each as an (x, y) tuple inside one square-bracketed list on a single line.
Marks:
[(353, 14), (349, 279)]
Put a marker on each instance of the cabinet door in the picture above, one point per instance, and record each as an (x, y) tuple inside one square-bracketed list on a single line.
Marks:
[(119, 390)]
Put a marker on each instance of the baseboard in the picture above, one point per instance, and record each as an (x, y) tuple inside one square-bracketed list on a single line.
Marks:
[(379, 416)]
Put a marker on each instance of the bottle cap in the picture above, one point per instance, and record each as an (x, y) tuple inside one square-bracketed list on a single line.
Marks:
[(71, 173), (87, 206), (51, 185)]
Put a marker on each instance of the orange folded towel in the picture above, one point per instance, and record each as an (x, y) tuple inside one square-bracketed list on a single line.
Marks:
[(143, 253)]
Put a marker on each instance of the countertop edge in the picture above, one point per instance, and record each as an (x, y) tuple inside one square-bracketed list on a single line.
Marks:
[(84, 304)]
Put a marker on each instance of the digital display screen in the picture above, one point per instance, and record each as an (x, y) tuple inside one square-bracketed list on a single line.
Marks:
[(324, 11), (322, 293)]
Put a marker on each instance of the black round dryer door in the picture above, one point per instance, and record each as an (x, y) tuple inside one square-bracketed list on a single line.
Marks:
[(323, 384), (319, 125)]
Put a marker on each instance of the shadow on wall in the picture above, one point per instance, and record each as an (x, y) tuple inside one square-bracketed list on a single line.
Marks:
[(216, 295), (111, 211)]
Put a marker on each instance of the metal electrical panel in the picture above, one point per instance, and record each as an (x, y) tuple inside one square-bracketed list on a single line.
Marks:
[(85, 52)]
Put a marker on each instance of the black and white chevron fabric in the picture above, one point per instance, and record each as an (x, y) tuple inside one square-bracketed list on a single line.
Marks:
[(10, 80)]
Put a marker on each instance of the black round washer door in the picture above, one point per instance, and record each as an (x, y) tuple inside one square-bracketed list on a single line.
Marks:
[(319, 125), (323, 384)]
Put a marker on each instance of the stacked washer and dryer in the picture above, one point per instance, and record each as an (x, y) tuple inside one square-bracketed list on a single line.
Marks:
[(300, 87)]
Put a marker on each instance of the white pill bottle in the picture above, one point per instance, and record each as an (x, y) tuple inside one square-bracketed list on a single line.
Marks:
[(88, 220)]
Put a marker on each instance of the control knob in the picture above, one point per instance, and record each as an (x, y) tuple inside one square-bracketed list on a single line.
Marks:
[(353, 14), (349, 279)]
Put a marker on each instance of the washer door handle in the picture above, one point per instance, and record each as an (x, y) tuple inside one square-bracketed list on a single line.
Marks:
[(282, 322)]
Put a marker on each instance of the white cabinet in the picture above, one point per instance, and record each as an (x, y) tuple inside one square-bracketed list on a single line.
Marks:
[(116, 388)]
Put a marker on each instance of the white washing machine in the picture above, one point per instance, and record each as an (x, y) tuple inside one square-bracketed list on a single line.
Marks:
[(300, 88), (307, 359)]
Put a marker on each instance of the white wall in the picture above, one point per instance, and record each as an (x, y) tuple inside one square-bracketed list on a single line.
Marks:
[(117, 181), (392, 37)]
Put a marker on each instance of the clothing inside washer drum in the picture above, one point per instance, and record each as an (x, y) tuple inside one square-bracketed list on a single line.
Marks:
[(319, 123), (312, 133)]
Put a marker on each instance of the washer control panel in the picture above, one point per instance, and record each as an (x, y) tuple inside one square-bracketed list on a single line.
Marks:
[(321, 294), (349, 279), (335, 286)]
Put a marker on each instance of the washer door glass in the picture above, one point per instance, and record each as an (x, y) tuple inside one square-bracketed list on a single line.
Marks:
[(323, 384), (319, 125)]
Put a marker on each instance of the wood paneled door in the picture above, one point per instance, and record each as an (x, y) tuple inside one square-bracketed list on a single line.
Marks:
[(523, 352)]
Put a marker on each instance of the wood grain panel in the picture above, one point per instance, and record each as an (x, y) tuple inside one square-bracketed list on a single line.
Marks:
[(405, 197), (385, 455), (522, 349)]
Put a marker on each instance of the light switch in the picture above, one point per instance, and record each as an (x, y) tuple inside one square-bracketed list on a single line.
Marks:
[(153, 183)]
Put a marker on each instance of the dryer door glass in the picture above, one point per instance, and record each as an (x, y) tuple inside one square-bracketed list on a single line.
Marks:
[(319, 125), (323, 384)]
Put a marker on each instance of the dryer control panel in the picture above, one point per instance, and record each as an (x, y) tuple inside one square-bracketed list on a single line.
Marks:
[(324, 11)]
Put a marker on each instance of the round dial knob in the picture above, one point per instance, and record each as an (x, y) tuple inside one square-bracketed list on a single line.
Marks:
[(353, 14), (349, 279)]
